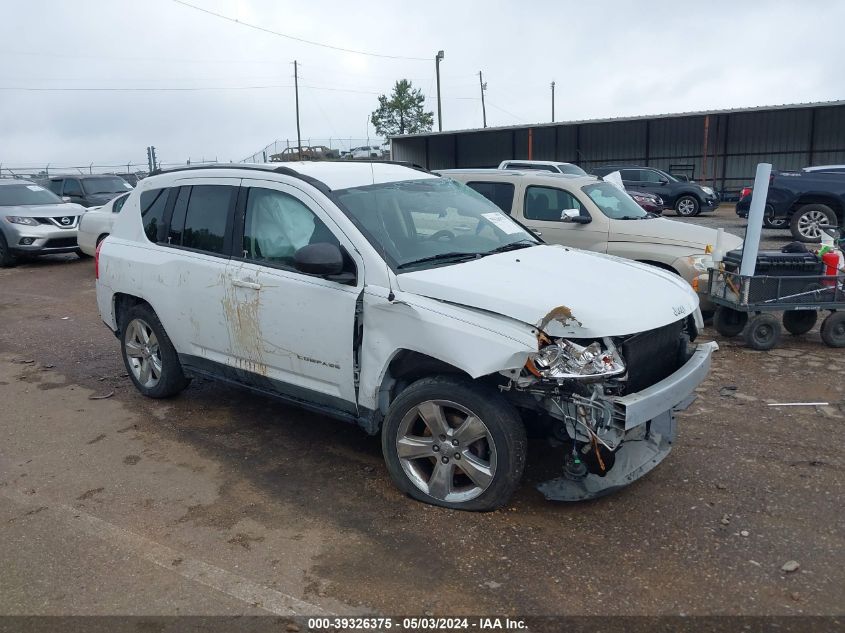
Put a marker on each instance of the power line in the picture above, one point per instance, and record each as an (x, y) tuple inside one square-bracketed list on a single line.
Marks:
[(297, 39), (173, 88)]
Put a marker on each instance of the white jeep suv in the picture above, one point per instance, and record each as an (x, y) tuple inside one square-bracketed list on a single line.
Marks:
[(412, 306)]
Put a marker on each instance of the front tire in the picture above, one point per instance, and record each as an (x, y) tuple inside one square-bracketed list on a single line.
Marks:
[(763, 332), (806, 222), (149, 356), (454, 443), (7, 260), (833, 330), (729, 322), (687, 206), (798, 322)]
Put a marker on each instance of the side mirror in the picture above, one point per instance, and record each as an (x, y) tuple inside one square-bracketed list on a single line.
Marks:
[(319, 259), (574, 216)]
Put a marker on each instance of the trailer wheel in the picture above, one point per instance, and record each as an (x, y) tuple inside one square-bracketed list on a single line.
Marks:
[(729, 322), (763, 332), (833, 330), (799, 322)]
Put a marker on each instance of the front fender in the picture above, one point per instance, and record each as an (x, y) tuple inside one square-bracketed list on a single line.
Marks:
[(474, 341)]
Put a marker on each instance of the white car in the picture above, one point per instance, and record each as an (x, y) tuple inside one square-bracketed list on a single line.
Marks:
[(553, 166), (404, 303), (96, 224), (584, 212)]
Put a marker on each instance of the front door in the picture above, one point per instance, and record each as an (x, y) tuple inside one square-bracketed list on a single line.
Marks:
[(292, 331), (542, 210)]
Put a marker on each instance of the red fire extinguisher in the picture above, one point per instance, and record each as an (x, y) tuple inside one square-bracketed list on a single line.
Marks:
[(831, 262)]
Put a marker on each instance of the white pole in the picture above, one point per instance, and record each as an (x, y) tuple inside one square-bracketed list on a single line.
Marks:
[(755, 219), (718, 255)]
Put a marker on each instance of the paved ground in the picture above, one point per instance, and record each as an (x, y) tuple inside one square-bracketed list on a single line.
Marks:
[(222, 502)]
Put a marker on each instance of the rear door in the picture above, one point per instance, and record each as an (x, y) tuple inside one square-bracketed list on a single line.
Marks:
[(542, 209), (499, 193), (196, 240)]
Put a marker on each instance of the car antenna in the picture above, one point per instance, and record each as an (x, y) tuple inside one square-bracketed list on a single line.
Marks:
[(391, 297)]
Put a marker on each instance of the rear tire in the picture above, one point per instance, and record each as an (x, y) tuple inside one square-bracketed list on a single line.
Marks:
[(771, 222), (148, 355), (805, 222), (798, 322), (454, 443), (833, 330), (729, 322), (687, 206), (763, 332), (7, 260)]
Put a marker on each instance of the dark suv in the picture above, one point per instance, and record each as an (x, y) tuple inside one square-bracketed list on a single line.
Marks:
[(89, 191), (686, 198)]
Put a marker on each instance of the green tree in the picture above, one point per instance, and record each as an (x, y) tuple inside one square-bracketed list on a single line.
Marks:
[(403, 112)]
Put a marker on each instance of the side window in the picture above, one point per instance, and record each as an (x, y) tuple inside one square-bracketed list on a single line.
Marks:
[(631, 175), (276, 225), (547, 203), (499, 193), (177, 220), (153, 203), (55, 186), (118, 204), (648, 175), (207, 217), (72, 187)]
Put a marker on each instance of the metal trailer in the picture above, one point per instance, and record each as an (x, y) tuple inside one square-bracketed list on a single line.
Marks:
[(745, 303)]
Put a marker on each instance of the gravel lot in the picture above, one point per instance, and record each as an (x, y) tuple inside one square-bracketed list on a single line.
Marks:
[(220, 502)]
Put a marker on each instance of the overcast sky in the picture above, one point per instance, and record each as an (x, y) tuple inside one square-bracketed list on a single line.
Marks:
[(613, 58)]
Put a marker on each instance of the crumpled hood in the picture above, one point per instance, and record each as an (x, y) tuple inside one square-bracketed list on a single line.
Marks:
[(669, 232), (57, 210), (563, 291)]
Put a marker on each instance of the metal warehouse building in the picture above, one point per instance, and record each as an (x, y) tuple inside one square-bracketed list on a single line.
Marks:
[(719, 147)]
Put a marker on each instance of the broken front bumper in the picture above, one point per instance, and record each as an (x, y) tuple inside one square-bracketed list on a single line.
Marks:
[(649, 424)]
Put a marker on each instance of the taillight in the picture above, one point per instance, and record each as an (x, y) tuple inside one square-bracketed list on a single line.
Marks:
[(97, 260), (745, 191)]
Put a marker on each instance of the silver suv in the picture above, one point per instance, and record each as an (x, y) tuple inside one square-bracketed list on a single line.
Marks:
[(35, 221)]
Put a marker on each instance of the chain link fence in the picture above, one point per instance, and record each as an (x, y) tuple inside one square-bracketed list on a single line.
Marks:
[(322, 148)]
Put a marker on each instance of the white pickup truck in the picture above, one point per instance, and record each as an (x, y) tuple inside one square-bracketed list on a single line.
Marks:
[(584, 212), (412, 306)]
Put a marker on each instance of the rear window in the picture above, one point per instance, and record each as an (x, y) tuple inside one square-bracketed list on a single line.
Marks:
[(207, 217), (499, 193), (26, 194), (153, 203)]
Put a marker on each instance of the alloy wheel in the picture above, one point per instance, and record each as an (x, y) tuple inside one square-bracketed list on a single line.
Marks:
[(686, 207), (446, 451), (143, 352), (810, 223)]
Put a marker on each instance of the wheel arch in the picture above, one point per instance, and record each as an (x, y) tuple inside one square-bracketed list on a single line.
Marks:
[(662, 265), (818, 198), (122, 303), (407, 366)]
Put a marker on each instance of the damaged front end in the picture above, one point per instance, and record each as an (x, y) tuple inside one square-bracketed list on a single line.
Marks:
[(610, 402)]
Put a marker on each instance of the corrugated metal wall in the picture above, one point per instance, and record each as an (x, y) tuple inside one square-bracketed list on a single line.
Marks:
[(722, 148)]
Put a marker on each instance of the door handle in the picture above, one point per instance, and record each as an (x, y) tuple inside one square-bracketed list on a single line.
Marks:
[(243, 283), (536, 232)]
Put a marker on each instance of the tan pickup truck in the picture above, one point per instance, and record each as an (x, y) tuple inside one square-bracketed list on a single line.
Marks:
[(587, 213)]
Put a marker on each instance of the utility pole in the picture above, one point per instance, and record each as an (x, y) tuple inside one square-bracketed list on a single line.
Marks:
[(553, 102), (437, 59), (296, 90), (483, 88)]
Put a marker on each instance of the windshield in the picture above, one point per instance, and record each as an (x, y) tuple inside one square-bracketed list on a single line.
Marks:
[(575, 170), (26, 195), (613, 202), (105, 184), (430, 222)]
